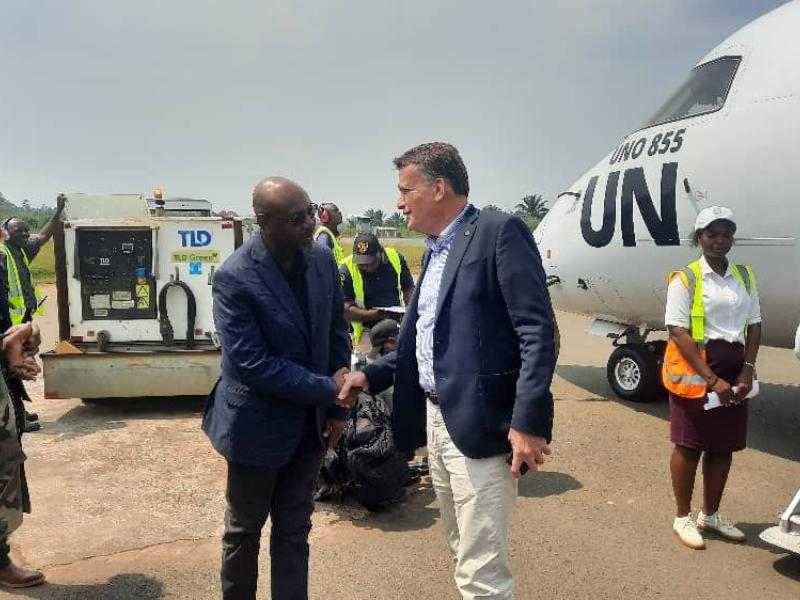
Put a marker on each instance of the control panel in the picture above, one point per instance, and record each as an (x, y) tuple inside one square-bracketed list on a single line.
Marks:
[(115, 268)]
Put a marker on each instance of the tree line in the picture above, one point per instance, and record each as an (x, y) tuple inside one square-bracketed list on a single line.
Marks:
[(35, 217), (531, 209)]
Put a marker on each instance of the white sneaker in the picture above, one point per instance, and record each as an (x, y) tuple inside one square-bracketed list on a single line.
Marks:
[(687, 533), (719, 524)]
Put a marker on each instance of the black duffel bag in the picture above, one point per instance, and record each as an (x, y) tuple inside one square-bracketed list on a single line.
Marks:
[(376, 471)]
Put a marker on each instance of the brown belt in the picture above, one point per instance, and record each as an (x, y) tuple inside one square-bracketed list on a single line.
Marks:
[(433, 397)]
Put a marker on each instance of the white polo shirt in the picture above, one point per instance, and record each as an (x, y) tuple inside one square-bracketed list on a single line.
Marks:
[(725, 300)]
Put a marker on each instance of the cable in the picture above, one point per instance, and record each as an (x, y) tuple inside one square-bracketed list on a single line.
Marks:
[(167, 333)]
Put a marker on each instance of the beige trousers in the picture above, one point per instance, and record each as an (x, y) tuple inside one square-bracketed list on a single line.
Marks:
[(476, 498)]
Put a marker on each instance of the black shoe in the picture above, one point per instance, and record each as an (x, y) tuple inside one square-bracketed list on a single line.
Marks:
[(31, 416), (328, 492), (323, 494), (413, 476), (418, 469), (31, 426)]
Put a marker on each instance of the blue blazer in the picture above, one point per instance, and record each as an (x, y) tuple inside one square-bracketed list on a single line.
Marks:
[(493, 348), (275, 369)]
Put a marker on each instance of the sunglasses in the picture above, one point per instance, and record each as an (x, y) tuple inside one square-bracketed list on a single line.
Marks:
[(295, 219)]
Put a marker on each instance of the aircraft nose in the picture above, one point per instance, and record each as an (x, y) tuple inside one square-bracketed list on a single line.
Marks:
[(553, 237), (542, 239)]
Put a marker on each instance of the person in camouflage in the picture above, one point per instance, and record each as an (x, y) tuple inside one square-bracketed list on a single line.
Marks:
[(20, 344)]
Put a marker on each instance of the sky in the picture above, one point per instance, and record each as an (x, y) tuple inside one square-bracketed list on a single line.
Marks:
[(203, 98)]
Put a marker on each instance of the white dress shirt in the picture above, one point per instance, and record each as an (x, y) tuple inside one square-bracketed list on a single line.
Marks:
[(728, 306)]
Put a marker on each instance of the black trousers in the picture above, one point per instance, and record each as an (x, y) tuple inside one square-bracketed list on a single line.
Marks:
[(286, 495)]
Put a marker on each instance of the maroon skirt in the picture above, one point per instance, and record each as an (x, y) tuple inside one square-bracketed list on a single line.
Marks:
[(722, 429)]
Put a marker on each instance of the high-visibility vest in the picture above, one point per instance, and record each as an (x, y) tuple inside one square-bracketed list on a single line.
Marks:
[(358, 286), (338, 253), (16, 300), (678, 376)]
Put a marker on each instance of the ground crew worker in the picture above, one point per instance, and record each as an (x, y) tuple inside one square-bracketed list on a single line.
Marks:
[(16, 253), (373, 276), (19, 249), (714, 321), (327, 234)]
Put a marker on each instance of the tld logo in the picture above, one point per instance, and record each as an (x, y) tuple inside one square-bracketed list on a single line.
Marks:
[(194, 238)]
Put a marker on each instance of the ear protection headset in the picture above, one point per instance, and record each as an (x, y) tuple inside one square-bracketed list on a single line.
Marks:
[(324, 216)]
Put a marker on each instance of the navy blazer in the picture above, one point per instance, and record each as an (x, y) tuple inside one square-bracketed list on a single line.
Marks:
[(275, 369), (493, 348)]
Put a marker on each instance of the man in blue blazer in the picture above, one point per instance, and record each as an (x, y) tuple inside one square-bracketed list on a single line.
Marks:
[(279, 312), (475, 362)]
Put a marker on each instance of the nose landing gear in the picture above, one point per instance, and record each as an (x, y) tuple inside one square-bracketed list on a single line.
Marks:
[(634, 370)]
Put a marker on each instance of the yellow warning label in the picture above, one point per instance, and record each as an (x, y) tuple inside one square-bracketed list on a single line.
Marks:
[(142, 295), (201, 256)]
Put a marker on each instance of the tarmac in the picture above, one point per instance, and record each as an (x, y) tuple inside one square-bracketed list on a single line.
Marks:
[(128, 498)]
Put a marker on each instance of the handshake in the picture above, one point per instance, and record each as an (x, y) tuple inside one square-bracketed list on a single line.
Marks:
[(349, 386)]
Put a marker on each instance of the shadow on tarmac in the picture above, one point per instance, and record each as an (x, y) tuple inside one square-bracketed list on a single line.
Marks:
[(412, 514), (111, 413), (125, 586), (752, 531), (774, 421), (788, 566), (541, 484), (419, 512)]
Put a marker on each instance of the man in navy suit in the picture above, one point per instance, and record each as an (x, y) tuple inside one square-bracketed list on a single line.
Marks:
[(279, 312), (475, 362)]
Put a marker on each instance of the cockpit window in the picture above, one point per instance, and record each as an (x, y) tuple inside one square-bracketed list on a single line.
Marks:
[(703, 92)]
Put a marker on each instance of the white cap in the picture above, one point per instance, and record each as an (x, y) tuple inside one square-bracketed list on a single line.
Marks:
[(711, 214)]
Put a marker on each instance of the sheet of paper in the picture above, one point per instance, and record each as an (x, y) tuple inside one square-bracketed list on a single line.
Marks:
[(397, 310), (713, 399)]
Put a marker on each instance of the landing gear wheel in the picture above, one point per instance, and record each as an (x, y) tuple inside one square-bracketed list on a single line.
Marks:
[(633, 373)]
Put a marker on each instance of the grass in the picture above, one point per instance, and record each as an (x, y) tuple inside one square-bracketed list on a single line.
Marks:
[(413, 255), (43, 267)]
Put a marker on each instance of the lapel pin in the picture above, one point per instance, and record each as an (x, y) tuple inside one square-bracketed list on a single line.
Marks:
[(466, 233)]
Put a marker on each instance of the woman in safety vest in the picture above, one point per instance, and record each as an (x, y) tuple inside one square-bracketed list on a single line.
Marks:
[(714, 321)]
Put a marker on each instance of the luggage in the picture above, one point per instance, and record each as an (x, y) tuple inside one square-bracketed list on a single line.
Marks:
[(365, 463), (377, 472)]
